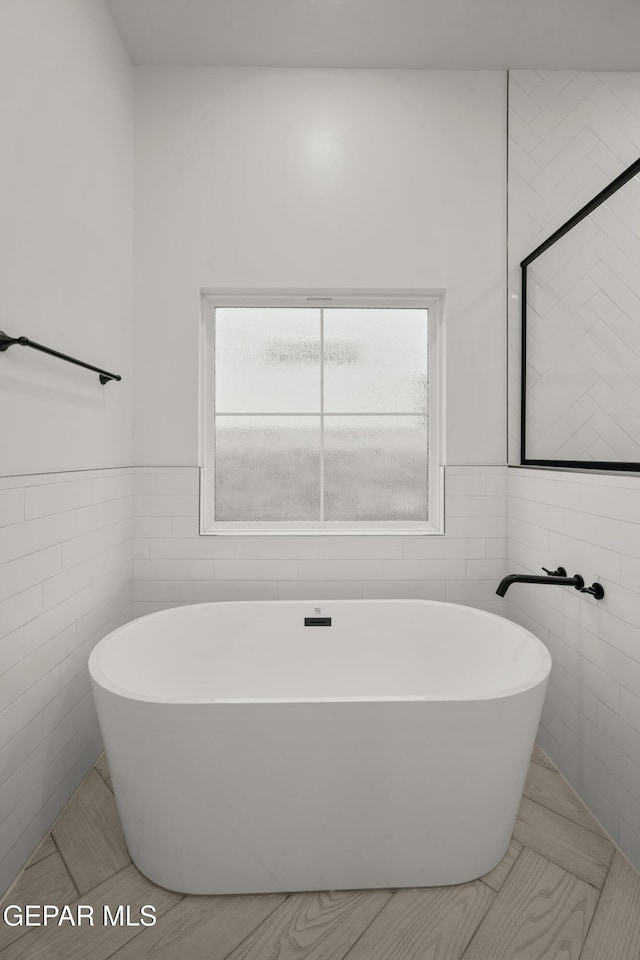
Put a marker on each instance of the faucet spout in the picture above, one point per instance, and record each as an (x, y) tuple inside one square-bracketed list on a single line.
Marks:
[(576, 581)]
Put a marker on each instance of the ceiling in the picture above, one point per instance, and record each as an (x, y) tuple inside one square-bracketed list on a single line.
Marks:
[(436, 34)]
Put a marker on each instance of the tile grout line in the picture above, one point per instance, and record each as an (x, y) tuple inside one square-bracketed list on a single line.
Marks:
[(570, 872), (7, 893), (140, 932), (72, 536), (160, 467), (66, 866), (616, 850), (595, 909), (63, 570), (542, 764), (75, 885), (345, 956), (23, 873), (95, 767), (604, 830), (257, 927), (482, 880), (489, 908), (574, 822)]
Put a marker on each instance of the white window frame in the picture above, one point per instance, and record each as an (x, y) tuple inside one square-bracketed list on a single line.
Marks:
[(432, 300)]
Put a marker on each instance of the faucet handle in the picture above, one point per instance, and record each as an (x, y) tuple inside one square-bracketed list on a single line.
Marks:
[(596, 590), (560, 572)]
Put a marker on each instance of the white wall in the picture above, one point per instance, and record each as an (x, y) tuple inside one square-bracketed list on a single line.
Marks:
[(570, 135), (319, 178), (310, 179), (66, 232)]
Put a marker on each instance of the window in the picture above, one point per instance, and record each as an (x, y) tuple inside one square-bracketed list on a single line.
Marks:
[(321, 414)]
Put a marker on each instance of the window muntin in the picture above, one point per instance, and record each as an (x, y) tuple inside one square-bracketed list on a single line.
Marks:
[(321, 419)]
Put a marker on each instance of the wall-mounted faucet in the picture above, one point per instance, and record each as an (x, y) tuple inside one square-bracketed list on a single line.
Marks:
[(558, 576)]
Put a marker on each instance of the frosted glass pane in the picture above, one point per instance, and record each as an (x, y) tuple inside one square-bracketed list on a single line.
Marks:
[(376, 468), (267, 360), (267, 468), (375, 361)]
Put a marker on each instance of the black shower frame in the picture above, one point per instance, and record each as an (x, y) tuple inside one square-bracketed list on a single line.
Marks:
[(588, 208)]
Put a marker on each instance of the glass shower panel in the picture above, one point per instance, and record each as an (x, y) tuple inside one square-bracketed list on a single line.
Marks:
[(376, 468), (365, 348), (267, 468), (583, 339), (267, 360)]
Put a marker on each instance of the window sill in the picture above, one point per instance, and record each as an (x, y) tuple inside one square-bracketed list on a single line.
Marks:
[(314, 532)]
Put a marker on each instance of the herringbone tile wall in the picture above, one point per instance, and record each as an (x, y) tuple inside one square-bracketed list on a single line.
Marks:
[(583, 338), (570, 134)]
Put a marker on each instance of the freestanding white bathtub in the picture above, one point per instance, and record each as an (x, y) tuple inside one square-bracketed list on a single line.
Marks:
[(251, 753)]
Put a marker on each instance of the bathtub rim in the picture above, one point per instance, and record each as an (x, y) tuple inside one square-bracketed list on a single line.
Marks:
[(98, 676)]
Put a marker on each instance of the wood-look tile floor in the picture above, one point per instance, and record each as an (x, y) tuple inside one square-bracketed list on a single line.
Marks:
[(562, 892)]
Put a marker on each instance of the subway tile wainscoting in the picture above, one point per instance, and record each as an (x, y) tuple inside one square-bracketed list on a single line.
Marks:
[(173, 564), (65, 551)]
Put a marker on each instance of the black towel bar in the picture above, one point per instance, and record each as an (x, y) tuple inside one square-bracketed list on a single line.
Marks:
[(7, 341)]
